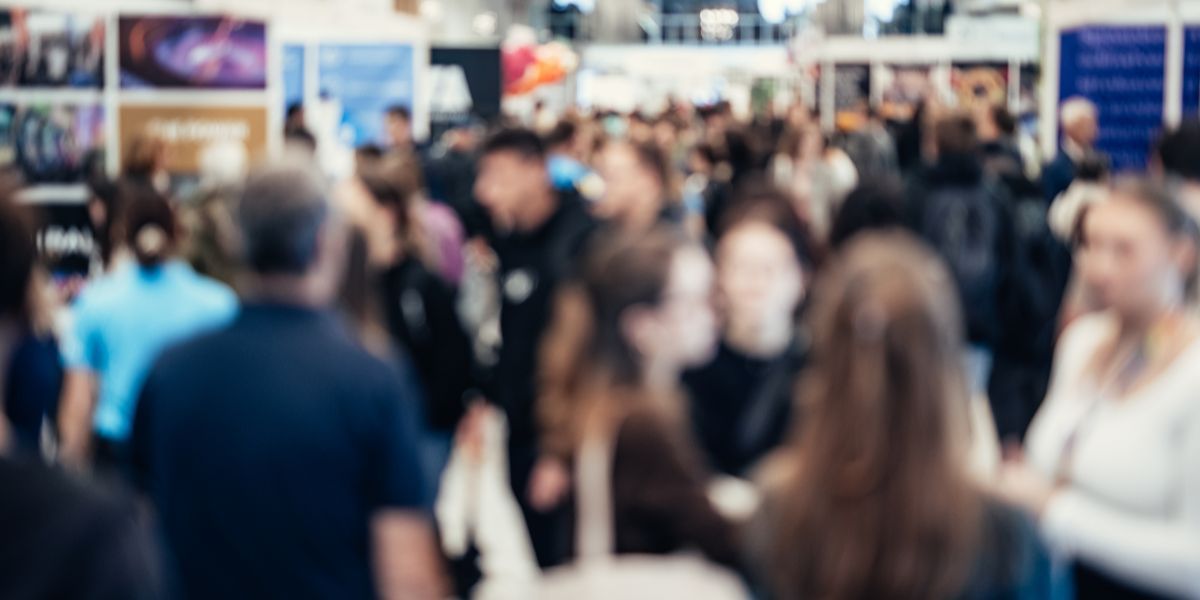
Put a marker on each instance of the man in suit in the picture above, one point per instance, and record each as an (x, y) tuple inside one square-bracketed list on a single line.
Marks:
[(1079, 120)]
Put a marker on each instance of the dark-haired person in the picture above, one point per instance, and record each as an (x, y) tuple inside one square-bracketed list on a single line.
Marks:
[(539, 234), (1112, 460), (876, 204), (874, 499), (30, 372), (637, 186), (1079, 120), (122, 322), (638, 315), (741, 401), (566, 155), (997, 129), (962, 212), (279, 454), (398, 126)]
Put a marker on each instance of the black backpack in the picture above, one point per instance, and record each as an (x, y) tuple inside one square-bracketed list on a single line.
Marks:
[(964, 224)]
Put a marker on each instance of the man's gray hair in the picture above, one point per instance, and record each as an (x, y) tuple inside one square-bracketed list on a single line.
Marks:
[(1075, 108), (281, 212)]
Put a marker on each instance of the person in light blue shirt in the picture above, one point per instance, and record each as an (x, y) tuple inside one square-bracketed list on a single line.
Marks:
[(120, 325)]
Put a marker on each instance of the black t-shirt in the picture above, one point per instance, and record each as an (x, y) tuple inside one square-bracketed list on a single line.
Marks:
[(64, 540), (422, 316), (532, 265), (32, 387), (266, 448), (741, 406)]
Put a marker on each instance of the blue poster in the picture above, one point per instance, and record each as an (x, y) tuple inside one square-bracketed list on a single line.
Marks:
[(365, 80), (293, 74), (1121, 70), (1191, 71)]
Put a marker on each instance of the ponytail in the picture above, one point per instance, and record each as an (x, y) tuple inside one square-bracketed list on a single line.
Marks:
[(149, 225)]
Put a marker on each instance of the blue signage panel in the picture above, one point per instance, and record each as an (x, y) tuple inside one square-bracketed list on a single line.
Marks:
[(1191, 71), (1121, 70), (365, 79), (293, 74)]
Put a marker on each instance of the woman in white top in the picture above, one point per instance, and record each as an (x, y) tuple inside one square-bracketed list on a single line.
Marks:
[(1112, 464)]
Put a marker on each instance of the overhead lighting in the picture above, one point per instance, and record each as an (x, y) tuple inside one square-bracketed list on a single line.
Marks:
[(484, 24)]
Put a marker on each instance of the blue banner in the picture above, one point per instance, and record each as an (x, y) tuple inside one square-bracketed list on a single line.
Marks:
[(293, 75), (1191, 71), (366, 79), (1121, 70)]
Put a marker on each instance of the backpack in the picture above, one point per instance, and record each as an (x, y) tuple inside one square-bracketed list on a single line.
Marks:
[(964, 226)]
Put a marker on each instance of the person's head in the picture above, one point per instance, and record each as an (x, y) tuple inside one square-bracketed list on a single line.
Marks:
[(294, 119), (1138, 250), (763, 257), (366, 157), (874, 499), (1093, 168), (145, 157), (290, 242), (512, 183), (993, 122), (1080, 121), (637, 317), (636, 183), (148, 226), (398, 123), (955, 136), (300, 143), (561, 139), (391, 223), (874, 205), (1178, 152)]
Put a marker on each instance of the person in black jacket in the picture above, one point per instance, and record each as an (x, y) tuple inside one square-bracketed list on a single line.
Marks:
[(961, 211), (540, 233), (741, 401)]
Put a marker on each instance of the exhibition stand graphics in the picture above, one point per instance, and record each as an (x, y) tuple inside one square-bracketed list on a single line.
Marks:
[(1122, 70), (293, 73), (192, 52), (51, 49), (364, 80), (189, 129), (1191, 71), (976, 82), (899, 88), (465, 84), (851, 91)]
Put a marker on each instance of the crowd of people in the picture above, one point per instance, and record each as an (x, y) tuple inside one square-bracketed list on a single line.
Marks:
[(898, 361)]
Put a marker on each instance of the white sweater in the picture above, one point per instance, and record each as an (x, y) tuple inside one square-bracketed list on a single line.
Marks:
[(1132, 507)]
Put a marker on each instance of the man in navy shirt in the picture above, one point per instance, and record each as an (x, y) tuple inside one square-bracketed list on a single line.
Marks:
[(279, 454)]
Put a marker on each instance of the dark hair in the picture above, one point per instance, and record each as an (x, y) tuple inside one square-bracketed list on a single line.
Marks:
[(142, 155), (1179, 150), (764, 203), (281, 212), (302, 137), (564, 131), (1093, 167), (1004, 120), (524, 142), (955, 135), (650, 157), (369, 151), (294, 109), (874, 204), (586, 361), (18, 254), (149, 226), (399, 111)]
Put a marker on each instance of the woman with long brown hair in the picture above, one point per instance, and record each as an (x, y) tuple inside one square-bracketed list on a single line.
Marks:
[(874, 500), (611, 362)]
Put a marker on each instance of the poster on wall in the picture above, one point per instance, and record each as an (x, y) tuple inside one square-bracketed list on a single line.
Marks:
[(164, 52), (464, 83), (1120, 69), (189, 130), (51, 143), (45, 49), (902, 88), (851, 90), (357, 83), (66, 240), (1191, 71), (973, 83)]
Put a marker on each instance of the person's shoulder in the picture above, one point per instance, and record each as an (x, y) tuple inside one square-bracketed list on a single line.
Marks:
[(210, 290), (1087, 332)]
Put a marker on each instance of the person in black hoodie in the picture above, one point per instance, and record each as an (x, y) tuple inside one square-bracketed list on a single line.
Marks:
[(418, 306), (540, 232), (741, 402), (962, 213)]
